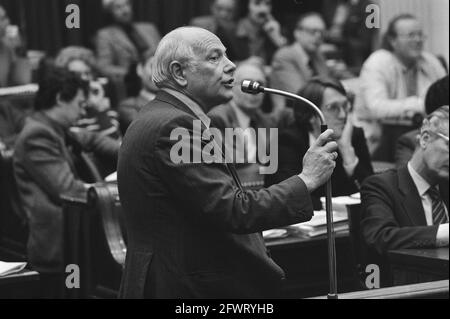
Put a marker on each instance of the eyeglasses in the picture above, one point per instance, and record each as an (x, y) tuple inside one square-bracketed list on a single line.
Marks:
[(440, 135), (413, 36), (315, 32), (336, 108)]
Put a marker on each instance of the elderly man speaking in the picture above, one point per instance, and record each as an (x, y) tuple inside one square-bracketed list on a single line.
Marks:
[(193, 231)]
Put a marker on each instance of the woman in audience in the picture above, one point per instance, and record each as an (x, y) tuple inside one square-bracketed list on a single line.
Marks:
[(99, 115), (353, 164)]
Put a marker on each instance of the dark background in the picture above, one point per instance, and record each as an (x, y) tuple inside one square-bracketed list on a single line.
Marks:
[(43, 21)]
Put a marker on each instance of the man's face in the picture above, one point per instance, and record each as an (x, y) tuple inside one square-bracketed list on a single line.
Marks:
[(408, 43), (122, 11), (224, 11), (248, 102), (73, 110), (335, 107), (210, 79), (436, 153), (259, 10), (4, 22), (309, 33)]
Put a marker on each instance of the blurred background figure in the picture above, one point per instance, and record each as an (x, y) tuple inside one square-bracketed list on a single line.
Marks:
[(245, 111), (348, 30), (353, 164), (296, 64), (44, 168), (261, 31), (123, 42), (99, 117), (437, 96), (14, 68), (223, 22), (394, 82), (144, 90)]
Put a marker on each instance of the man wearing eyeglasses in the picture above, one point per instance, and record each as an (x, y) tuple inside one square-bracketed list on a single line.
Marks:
[(408, 207), (396, 78), (296, 64)]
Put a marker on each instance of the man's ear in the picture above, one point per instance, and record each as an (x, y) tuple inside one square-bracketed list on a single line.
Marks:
[(59, 101), (178, 74), (424, 139)]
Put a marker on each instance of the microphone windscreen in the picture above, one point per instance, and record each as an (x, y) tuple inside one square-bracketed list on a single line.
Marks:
[(251, 87)]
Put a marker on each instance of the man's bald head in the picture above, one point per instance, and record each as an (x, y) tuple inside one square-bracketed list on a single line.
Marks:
[(182, 45)]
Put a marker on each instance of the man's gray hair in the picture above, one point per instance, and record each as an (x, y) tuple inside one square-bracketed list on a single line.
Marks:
[(178, 45), (436, 121)]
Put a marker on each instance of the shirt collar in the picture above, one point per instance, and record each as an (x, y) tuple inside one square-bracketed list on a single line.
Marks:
[(421, 184), (192, 105)]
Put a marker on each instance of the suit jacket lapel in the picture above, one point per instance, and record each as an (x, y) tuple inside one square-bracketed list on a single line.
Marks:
[(172, 100), (411, 201)]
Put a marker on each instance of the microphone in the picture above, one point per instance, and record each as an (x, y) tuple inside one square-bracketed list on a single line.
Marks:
[(254, 87)]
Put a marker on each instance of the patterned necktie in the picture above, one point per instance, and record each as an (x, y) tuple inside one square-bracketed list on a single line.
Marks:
[(438, 207)]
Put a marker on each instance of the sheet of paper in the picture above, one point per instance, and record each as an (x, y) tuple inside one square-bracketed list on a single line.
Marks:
[(11, 268)]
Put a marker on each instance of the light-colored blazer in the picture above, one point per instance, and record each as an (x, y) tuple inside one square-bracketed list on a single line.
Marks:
[(116, 52)]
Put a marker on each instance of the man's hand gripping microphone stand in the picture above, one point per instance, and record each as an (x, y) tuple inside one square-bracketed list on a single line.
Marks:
[(253, 87)]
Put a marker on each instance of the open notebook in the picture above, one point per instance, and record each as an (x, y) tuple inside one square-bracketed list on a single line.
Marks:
[(11, 268)]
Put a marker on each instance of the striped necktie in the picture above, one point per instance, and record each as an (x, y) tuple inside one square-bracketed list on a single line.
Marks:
[(438, 208)]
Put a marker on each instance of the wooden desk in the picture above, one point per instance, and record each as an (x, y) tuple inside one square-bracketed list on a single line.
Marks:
[(410, 266), (21, 285), (431, 290)]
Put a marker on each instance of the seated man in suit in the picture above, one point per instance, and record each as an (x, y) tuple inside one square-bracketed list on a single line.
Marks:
[(437, 96), (222, 22), (408, 207), (293, 66), (244, 111), (44, 169), (129, 108), (193, 231)]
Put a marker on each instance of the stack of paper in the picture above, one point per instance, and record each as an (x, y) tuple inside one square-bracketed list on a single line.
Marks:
[(11, 268), (318, 224)]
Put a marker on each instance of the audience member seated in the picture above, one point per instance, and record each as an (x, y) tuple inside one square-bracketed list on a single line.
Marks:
[(348, 30), (408, 207), (123, 42), (99, 117), (260, 31), (129, 108), (396, 78), (44, 169), (222, 22), (437, 96), (14, 70), (293, 66), (353, 164), (244, 111), (11, 123)]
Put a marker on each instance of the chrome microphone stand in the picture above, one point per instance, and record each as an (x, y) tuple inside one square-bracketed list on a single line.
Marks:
[(253, 87)]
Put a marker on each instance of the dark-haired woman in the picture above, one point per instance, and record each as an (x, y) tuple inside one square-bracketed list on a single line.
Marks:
[(353, 164)]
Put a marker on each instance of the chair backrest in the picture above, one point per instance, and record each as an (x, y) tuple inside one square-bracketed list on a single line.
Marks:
[(105, 198)]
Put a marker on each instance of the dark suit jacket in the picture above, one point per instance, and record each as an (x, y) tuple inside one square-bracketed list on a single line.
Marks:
[(406, 145), (393, 215), (191, 232), (44, 170), (292, 147)]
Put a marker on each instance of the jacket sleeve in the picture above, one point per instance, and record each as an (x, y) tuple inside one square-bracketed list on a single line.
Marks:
[(379, 227), (96, 143), (46, 163), (364, 168), (209, 190)]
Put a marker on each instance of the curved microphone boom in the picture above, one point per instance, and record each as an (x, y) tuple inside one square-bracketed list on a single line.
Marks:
[(253, 87)]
